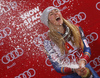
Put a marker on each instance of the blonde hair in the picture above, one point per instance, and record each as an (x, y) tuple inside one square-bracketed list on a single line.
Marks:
[(59, 40)]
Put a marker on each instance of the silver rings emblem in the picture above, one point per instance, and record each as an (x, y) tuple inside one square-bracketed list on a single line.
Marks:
[(27, 74), (12, 55), (5, 32), (78, 18), (6, 8), (58, 3), (95, 62), (92, 37), (38, 41), (98, 8), (47, 63)]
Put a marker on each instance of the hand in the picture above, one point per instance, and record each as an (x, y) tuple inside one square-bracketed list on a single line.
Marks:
[(82, 63), (81, 71)]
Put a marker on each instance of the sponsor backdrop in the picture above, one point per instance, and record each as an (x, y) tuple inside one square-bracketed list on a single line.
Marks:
[(22, 35)]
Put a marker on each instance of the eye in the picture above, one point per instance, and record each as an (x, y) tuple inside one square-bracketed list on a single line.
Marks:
[(51, 14), (56, 10)]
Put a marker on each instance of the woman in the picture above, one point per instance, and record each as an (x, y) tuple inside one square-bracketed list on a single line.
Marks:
[(66, 46)]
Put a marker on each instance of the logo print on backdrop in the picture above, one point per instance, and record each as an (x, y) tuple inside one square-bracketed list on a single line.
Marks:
[(38, 41), (95, 63), (13, 5), (27, 74), (98, 8), (12, 55), (92, 37), (5, 32), (34, 19), (78, 18), (58, 3), (47, 63)]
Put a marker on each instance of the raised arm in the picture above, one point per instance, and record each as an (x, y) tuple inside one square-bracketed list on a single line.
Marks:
[(86, 49)]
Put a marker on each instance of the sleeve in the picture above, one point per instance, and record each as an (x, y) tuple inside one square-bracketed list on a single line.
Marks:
[(86, 49), (54, 60)]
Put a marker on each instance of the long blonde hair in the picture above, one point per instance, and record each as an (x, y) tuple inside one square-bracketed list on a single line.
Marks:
[(59, 40)]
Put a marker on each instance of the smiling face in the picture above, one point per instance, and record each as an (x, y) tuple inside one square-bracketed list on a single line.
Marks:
[(55, 17)]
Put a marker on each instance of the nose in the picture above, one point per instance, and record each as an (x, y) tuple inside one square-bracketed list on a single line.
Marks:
[(55, 13)]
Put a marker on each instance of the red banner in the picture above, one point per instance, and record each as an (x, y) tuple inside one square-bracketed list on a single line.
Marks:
[(22, 35)]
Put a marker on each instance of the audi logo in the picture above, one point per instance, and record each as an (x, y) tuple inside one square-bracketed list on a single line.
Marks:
[(95, 62), (47, 63), (13, 5), (78, 18), (6, 8), (38, 41), (98, 8), (12, 55), (5, 32), (27, 74), (58, 3), (92, 37)]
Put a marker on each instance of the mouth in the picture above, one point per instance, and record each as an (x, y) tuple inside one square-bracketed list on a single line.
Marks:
[(58, 18)]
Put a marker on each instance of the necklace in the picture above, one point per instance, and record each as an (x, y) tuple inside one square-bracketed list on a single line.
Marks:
[(67, 34)]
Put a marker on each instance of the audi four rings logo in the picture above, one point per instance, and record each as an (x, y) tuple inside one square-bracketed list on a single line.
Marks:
[(92, 37), (95, 62), (58, 3), (12, 55), (38, 41), (5, 32), (6, 8), (27, 74), (78, 18), (47, 63), (98, 4)]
